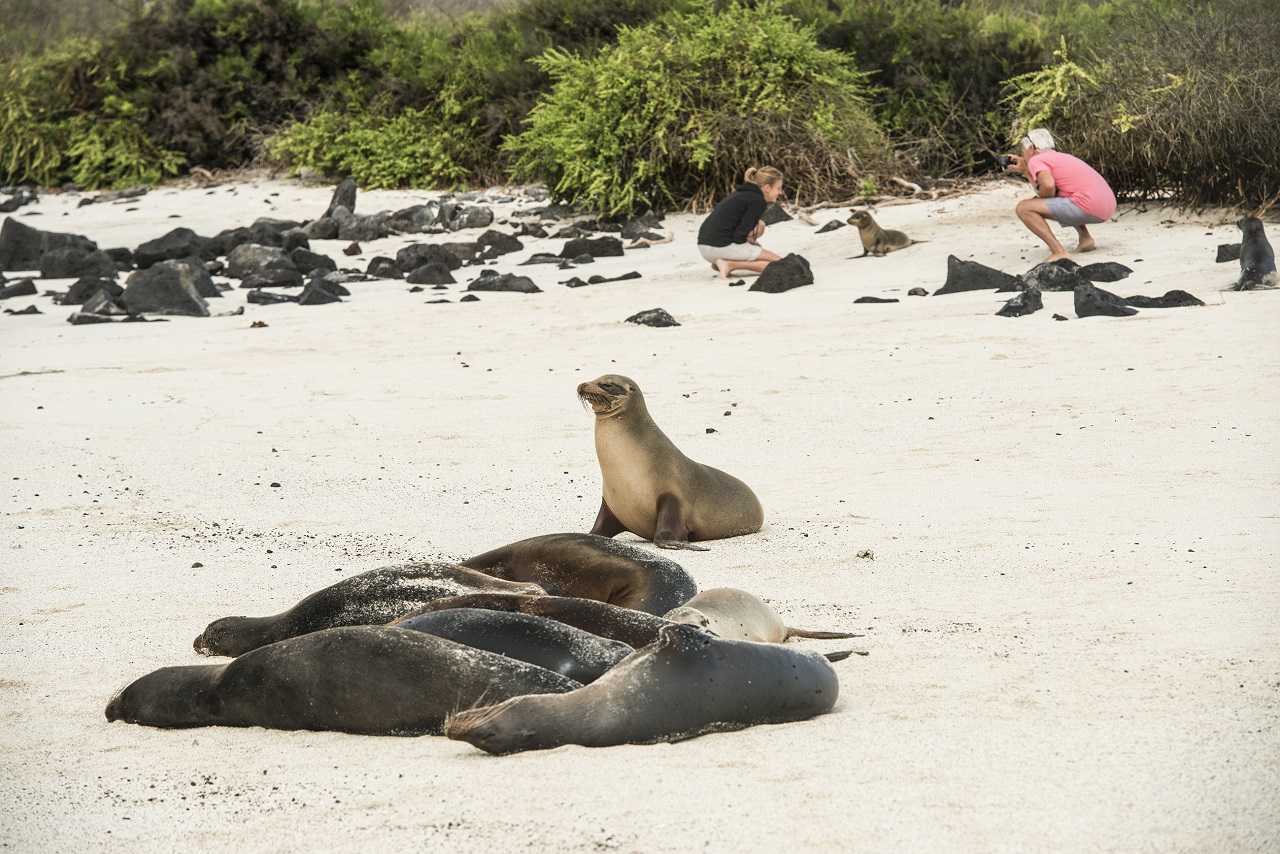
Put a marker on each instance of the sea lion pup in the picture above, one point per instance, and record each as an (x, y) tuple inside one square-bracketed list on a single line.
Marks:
[(738, 615), (650, 488), (876, 240), (370, 598), (1257, 258), (592, 567), (558, 647), (687, 683), (372, 680), (634, 628)]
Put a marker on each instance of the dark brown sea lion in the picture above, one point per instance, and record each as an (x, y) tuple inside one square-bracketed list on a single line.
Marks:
[(650, 488), (738, 615), (560, 648), (374, 680), (1257, 258), (687, 683), (876, 240), (592, 567), (370, 598), (635, 628)]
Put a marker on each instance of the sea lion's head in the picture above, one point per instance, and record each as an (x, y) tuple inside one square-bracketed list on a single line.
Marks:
[(608, 395), (508, 727), (861, 219), (689, 616), (1250, 225)]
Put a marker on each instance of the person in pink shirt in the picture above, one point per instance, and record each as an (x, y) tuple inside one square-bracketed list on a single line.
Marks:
[(1068, 190)]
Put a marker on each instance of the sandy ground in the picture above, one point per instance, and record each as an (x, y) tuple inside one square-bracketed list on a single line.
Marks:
[(1071, 612)]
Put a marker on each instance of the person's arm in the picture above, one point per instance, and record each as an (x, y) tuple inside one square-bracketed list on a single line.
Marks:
[(1045, 187), (751, 217), (1043, 180)]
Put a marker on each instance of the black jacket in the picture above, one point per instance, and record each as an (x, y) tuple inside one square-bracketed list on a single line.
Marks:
[(732, 220)]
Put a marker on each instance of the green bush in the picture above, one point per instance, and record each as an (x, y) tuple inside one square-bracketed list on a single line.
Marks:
[(677, 109), (1180, 105), (442, 94), (65, 116), (195, 81)]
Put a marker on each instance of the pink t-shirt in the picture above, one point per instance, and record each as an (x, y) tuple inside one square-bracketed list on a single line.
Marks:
[(1076, 181)]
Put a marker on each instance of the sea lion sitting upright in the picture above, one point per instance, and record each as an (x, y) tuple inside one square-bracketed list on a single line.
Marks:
[(738, 615), (876, 240), (1257, 258), (687, 683), (650, 488), (374, 680), (592, 567), (371, 598)]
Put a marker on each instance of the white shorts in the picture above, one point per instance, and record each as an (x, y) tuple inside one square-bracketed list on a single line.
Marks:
[(1068, 213), (732, 252)]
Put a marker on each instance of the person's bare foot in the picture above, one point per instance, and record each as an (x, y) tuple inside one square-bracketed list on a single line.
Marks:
[(723, 267), (1085, 246), (1056, 256)]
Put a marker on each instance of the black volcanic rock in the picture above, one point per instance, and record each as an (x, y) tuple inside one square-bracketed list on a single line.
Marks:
[(1027, 302), (169, 287), (344, 195), (179, 243), (1106, 271), (415, 255), (22, 246), (1054, 277), (783, 275), (1171, 299), (972, 276), (74, 263), (658, 317), (492, 281), (597, 247), (1095, 302)]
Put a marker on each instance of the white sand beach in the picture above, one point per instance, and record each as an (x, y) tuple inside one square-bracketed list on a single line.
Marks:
[(1072, 611)]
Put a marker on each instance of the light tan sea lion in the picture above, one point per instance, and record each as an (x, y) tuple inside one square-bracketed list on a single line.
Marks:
[(876, 240), (650, 488), (738, 615)]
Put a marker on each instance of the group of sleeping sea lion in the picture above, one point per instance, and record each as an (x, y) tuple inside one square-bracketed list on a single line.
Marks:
[(557, 639)]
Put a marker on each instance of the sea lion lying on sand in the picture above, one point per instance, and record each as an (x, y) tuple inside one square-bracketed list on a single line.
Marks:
[(876, 240)]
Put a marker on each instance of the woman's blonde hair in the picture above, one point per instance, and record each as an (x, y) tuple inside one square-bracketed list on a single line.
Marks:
[(764, 176)]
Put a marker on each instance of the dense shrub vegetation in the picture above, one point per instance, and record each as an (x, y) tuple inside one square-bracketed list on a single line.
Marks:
[(671, 113), (634, 102)]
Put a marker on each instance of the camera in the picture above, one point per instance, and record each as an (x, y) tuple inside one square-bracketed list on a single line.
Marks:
[(1005, 160)]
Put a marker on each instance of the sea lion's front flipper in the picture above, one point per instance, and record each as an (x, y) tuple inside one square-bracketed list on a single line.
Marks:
[(672, 528), (606, 524)]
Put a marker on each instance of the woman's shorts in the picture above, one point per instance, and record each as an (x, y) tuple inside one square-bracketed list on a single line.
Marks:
[(1067, 212), (732, 252)]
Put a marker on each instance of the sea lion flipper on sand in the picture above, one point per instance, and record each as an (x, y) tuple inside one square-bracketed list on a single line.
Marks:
[(607, 524), (672, 530), (806, 633)]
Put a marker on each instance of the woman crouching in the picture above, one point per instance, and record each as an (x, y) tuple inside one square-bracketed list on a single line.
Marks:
[(730, 235)]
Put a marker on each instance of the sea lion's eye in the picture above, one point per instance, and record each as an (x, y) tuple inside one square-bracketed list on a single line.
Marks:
[(612, 388)]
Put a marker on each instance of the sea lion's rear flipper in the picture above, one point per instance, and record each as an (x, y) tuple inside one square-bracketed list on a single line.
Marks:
[(805, 633)]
